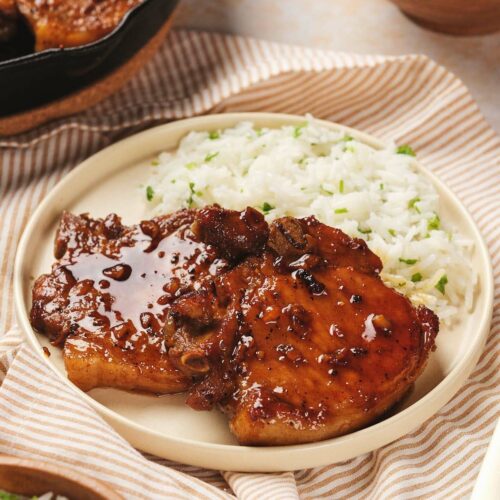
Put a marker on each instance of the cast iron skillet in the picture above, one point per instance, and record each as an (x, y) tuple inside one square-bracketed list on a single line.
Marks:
[(30, 80)]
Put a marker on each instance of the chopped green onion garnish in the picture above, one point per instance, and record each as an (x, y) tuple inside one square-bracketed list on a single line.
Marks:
[(440, 285), (267, 207), (325, 191), (347, 138), (190, 200), (404, 149), (213, 135), (155, 163), (381, 185), (410, 262), (341, 210), (392, 232), (211, 156), (191, 165), (364, 231), (434, 223), (297, 131), (412, 203), (150, 192), (259, 132), (4, 495), (341, 185), (416, 277)]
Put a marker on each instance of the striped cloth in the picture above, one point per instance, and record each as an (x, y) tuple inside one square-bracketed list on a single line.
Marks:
[(408, 99)]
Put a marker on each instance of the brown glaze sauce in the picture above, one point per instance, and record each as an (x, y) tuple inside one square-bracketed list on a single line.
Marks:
[(305, 334), (141, 283), (346, 349), (108, 295)]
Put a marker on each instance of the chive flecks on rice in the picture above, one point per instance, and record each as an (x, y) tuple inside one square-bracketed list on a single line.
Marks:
[(302, 170)]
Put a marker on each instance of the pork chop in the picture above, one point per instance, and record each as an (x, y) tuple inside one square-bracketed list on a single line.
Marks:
[(8, 20), (63, 23), (107, 297), (301, 343)]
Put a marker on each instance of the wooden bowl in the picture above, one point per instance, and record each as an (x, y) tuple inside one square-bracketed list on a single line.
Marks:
[(30, 478), (456, 17)]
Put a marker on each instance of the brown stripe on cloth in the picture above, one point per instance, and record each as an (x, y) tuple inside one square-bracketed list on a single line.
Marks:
[(408, 99), (22, 432)]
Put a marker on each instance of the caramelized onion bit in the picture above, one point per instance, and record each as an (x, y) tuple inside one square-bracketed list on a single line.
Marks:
[(380, 321)]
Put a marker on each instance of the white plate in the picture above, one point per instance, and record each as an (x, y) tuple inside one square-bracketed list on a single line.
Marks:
[(109, 182)]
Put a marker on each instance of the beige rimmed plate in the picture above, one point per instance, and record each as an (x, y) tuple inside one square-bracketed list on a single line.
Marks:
[(109, 182)]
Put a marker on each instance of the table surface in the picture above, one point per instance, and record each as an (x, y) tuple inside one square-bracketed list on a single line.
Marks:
[(358, 26)]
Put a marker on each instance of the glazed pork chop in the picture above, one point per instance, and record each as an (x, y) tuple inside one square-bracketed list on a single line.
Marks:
[(64, 23), (107, 297), (8, 19), (301, 342)]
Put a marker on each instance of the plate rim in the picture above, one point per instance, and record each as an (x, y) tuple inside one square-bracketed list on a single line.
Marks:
[(435, 399)]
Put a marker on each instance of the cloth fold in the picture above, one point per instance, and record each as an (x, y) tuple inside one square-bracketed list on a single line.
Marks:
[(44, 419), (408, 99)]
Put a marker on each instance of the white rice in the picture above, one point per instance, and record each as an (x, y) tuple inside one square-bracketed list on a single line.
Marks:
[(377, 195)]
